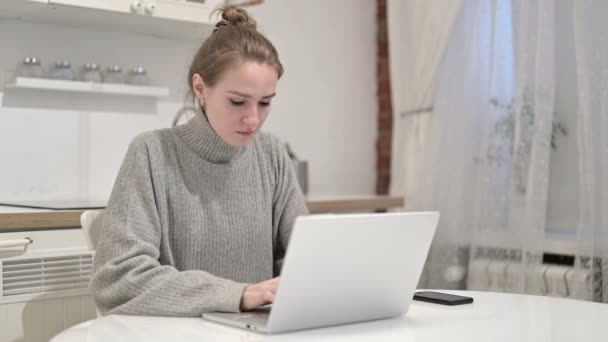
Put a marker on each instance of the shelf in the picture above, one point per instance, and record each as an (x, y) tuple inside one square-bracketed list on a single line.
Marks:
[(88, 87), (18, 219)]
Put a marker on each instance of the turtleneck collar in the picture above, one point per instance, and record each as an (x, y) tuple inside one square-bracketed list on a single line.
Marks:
[(204, 141)]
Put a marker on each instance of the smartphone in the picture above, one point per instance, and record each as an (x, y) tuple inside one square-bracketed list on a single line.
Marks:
[(441, 298)]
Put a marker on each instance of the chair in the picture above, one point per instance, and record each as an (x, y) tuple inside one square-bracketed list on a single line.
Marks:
[(91, 222)]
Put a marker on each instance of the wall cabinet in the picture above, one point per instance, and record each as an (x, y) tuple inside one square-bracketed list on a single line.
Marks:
[(180, 10), (121, 6), (175, 19)]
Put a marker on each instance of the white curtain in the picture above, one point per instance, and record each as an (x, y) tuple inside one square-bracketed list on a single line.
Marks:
[(418, 31), (591, 46), (487, 159), (483, 157)]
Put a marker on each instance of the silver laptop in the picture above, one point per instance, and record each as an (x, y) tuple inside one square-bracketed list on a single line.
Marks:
[(343, 269)]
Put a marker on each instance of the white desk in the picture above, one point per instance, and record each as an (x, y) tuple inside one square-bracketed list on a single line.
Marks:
[(493, 317)]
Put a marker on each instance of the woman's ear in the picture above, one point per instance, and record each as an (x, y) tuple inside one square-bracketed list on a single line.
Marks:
[(198, 86)]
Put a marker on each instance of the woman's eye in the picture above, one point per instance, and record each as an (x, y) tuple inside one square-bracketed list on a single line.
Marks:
[(237, 103), (264, 104)]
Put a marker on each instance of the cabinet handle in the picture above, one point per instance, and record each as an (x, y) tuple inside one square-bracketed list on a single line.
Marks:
[(135, 6), (150, 8), (16, 243)]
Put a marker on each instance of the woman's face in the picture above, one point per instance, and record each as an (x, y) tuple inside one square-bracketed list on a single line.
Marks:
[(239, 103)]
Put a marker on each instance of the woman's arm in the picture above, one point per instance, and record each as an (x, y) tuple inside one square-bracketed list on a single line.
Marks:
[(288, 203), (127, 276)]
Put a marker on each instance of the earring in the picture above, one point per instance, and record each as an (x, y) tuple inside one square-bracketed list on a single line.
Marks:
[(201, 102)]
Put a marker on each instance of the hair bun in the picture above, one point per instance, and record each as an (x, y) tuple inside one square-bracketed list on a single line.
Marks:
[(232, 15)]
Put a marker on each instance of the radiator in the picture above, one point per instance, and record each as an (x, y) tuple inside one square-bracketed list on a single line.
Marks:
[(44, 292), (543, 279)]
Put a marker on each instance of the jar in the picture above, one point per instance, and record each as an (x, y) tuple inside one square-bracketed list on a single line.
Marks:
[(30, 67), (62, 71), (138, 76), (91, 73), (113, 74)]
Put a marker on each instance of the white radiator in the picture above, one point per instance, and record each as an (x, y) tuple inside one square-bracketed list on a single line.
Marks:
[(543, 279), (43, 292)]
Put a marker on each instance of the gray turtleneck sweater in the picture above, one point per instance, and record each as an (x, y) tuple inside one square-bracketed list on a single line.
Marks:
[(192, 220)]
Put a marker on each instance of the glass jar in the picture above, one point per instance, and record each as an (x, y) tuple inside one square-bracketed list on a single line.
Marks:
[(91, 73), (62, 71), (138, 76), (114, 74), (30, 67)]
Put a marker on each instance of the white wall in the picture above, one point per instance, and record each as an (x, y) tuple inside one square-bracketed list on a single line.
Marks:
[(325, 108), (326, 103)]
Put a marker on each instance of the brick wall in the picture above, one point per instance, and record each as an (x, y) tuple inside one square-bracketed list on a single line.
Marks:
[(385, 108)]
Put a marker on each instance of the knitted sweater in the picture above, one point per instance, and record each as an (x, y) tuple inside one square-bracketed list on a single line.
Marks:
[(192, 220)]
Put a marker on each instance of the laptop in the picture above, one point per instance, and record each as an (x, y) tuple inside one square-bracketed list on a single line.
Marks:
[(342, 269)]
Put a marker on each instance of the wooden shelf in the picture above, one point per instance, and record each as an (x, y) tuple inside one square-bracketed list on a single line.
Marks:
[(88, 87), (353, 204), (22, 220), (40, 220)]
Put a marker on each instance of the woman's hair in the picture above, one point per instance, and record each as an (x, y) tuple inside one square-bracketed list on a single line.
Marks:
[(234, 39)]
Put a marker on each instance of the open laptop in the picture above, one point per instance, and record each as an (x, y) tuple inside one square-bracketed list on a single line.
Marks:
[(342, 269)]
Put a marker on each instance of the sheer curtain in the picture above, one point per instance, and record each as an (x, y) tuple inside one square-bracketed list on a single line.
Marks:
[(418, 33), (487, 162), (478, 133), (591, 46)]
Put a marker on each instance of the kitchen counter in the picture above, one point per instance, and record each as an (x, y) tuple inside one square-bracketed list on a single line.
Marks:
[(21, 219)]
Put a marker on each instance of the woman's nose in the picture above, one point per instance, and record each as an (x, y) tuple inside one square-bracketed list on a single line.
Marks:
[(252, 117)]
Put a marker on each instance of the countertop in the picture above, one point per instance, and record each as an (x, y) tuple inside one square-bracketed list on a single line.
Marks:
[(20, 219)]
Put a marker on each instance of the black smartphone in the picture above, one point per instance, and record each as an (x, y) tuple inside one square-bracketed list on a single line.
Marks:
[(442, 298)]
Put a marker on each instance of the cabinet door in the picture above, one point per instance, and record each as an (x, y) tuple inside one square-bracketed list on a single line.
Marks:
[(195, 11), (123, 6)]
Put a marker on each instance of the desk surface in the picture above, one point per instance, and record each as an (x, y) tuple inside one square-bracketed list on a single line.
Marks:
[(493, 317)]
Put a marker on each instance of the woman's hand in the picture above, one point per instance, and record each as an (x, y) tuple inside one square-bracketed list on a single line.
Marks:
[(259, 294)]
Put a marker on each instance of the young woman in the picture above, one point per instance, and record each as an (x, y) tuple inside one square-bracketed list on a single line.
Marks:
[(200, 214)]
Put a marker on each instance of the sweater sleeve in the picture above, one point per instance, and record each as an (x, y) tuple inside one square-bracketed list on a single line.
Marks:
[(128, 277), (288, 204)]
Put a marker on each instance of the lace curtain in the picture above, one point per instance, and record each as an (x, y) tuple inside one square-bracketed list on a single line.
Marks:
[(591, 48), (477, 144), (490, 141)]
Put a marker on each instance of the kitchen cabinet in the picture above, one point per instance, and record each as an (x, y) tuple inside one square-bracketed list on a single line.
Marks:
[(180, 10), (175, 19), (121, 6)]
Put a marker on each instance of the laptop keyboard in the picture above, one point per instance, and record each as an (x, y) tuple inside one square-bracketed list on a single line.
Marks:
[(258, 318)]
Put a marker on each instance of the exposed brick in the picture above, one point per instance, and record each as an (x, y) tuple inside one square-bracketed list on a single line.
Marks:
[(381, 10), (385, 153), (382, 68), (384, 114), (384, 87), (383, 162), (385, 124), (383, 185), (385, 106), (382, 173), (384, 143), (382, 33), (382, 50), (384, 97)]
